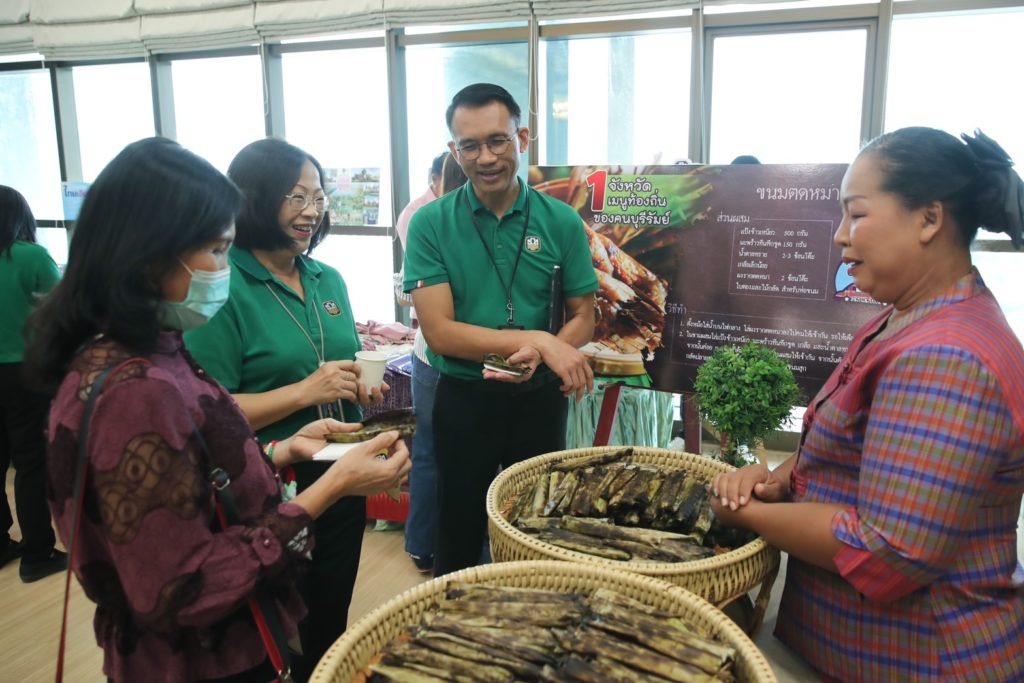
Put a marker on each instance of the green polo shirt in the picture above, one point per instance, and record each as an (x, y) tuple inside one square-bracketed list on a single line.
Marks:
[(27, 272), (252, 345), (444, 245)]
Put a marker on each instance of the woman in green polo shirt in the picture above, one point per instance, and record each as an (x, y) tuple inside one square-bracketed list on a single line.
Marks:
[(284, 347), (26, 273)]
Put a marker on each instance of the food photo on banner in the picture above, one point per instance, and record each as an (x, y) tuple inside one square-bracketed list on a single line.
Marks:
[(690, 258)]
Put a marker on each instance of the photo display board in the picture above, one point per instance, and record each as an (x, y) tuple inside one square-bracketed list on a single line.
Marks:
[(353, 195), (690, 258)]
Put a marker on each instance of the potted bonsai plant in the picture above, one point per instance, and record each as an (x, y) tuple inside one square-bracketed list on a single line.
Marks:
[(746, 393)]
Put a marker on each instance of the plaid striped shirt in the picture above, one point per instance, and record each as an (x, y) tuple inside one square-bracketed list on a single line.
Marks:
[(920, 433)]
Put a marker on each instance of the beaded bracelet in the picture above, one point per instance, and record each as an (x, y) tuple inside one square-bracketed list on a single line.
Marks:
[(286, 475)]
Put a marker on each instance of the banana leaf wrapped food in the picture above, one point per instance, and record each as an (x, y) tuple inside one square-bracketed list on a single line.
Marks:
[(403, 421), (609, 506), (497, 363), (496, 634)]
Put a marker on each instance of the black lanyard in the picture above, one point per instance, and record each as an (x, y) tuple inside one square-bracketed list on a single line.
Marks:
[(333, 409), (511, 323)]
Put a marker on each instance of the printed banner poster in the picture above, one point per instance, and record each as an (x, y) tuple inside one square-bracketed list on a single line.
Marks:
[(72, 195), (690, 258), (354, 195)]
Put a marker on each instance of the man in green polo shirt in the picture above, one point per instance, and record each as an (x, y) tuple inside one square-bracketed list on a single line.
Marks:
[(478, 264)]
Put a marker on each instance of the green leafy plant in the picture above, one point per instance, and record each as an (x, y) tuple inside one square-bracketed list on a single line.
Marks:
[(746, 393)]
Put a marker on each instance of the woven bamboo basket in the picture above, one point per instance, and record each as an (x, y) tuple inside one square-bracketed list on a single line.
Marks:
[(720, 579), (364, 639)]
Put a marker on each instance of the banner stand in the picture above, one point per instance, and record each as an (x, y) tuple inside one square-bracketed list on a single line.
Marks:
[(609, 408)]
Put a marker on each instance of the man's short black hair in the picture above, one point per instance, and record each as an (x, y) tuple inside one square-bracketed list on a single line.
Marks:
[(480, 94)]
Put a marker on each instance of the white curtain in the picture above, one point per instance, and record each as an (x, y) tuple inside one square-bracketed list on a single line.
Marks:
[(87, 11), (412, 12), (15, 29), (81, 29), (178, 6), (553, 9), (281, 18), (88, 39), (14, 11), (214, 28)]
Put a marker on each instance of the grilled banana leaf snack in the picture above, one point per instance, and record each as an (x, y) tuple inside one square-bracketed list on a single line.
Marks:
[(497, 363), (403, 421), (609, 506), (498, 634)]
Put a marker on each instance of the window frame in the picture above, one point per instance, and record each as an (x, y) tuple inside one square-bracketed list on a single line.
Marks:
[(876, 17), (609, 28), (868, 94)]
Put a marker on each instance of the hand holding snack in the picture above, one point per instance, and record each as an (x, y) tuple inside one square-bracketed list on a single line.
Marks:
[(308, 441), (341, 443), (380, 464), (517, 368), (402, 421)]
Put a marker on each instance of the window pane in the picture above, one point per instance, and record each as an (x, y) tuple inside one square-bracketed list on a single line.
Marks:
[(434, 75), (959, 72), (103, 130), (1001, 271), (22, 57), (365, 263), (610, 101), (788, 98), (343, 123), (28, 138), (56, 242), (218, 105)]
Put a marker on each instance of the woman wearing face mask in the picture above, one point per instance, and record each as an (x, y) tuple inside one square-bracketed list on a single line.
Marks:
[(899, 511), (284, 346), (172, 581)]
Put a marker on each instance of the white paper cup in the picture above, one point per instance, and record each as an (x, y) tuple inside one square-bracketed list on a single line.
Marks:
[(371, 365)]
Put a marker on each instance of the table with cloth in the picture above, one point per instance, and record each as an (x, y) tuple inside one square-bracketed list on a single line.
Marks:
[(644, 417), (398, 376)]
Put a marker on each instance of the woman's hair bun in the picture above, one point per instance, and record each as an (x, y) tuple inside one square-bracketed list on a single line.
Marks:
[(999, 191)]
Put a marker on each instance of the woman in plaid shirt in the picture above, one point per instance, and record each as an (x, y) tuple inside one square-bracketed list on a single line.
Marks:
[(899, 510)]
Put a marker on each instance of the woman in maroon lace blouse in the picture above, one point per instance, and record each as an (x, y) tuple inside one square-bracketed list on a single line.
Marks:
[(148, 260)]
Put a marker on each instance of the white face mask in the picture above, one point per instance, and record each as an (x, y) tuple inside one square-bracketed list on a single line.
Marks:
[(207, 293)]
